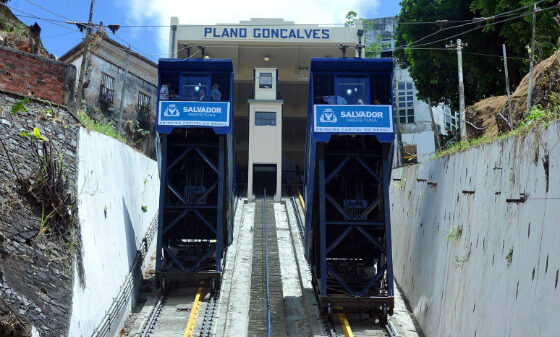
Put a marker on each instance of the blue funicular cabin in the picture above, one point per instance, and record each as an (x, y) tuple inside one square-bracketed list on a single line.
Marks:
[(349, 150), (194, 122)]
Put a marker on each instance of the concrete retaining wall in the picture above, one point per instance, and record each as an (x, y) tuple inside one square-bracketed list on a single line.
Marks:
[(499, 275), (115, 182)]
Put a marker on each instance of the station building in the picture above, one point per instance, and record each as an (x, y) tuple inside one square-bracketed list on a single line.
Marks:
[(271, 61)]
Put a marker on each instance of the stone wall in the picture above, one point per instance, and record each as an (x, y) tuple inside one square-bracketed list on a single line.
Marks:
[(36, 271), (475, 238), (27, 74)]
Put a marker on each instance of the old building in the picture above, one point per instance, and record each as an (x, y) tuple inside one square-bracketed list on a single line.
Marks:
[(104, 79)]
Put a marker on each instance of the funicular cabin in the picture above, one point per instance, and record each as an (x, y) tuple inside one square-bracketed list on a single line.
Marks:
[(194, 122), (349, 150)]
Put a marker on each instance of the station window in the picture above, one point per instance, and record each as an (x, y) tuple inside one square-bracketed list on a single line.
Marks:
[(405, 92), (451, 119), (265, 118), (265, 80), (107, 88), (196, 87)]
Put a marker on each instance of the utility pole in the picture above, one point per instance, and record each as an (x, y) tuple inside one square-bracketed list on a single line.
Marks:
[(434, 127), (84, 58), (123, 90), (400, 160), (532, 61), (507, 86), (462, 119)]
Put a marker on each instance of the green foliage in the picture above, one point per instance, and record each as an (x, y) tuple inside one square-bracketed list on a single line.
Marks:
[(509, 257), (43, 227), (35, 135), (144, 209), (107, 128), (537, 117), (351, 18), (371, 48), (140, 131), (19, 106), (454, 233), (435, 71)]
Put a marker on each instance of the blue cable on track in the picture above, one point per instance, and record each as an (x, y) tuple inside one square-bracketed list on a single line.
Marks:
[(266, 266)]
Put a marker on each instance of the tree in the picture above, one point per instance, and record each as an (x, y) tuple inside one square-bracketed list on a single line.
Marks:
[(373, 48), (435, 70)]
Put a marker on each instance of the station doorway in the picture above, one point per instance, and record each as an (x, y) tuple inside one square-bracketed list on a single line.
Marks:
[(264, 177)]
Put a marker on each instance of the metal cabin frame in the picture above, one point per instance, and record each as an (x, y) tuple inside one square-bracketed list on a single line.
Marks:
[(196, 187), (333, 230)]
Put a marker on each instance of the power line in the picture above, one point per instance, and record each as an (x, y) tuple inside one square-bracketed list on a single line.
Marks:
[(472, 53), (476, 28), (48, 10), (51, 21), (470, 22)]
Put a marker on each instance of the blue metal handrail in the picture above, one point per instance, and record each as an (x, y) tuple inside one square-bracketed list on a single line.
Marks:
[(266, 265)]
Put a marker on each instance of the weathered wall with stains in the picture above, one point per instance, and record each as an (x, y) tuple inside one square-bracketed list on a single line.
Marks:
[(476, 238), (118, 199)]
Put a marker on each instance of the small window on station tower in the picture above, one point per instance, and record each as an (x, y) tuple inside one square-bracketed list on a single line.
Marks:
[(265, 80), (265, 118)]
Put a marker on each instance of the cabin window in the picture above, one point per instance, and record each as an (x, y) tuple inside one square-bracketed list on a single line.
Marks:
[(323, 86), (196, 88), (352, 90)]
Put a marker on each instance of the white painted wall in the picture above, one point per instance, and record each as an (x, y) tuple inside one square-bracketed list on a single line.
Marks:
[(265, 143), (115, 178), (425, 144), (466, 287)]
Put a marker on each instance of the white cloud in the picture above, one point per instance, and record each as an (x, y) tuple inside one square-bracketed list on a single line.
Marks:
[(159, 12)]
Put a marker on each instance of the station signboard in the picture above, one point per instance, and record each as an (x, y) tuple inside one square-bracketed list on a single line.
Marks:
[(352, 118), (194, 113)]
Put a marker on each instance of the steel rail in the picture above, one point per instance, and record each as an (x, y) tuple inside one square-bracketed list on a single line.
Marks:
[(268, 325), (208, 317), (152, 318)]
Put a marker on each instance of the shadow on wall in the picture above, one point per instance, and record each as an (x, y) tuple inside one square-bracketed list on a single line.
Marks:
[(130, 236)]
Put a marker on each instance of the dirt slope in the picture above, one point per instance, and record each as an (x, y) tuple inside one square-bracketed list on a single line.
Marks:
[(486, 113)]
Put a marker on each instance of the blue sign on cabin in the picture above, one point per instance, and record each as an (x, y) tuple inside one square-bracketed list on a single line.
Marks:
[(353, 118), (193, 113)]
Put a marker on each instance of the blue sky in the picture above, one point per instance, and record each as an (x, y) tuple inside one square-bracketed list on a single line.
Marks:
[(152, 42)]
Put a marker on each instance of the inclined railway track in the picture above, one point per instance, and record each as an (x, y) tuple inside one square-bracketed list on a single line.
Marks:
[(175, 302)]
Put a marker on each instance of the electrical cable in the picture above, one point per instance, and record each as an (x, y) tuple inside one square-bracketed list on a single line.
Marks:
[(473, 21), (476, 28), (54, 22), (48, 10)]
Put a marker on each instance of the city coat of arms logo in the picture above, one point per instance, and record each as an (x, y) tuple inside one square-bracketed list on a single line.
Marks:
[(171, 111), (328, 116)]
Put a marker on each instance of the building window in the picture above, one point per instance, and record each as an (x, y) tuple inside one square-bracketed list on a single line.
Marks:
[(143, 110), (451, 119), (405, 92), (107, 88), (265, 118)]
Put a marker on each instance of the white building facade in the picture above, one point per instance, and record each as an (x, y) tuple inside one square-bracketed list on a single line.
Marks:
[(414, 114)]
